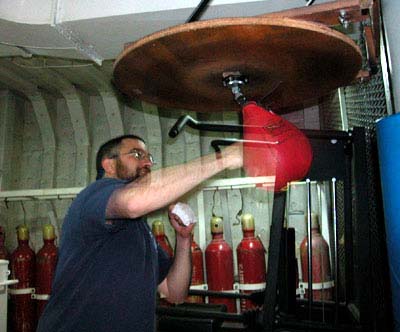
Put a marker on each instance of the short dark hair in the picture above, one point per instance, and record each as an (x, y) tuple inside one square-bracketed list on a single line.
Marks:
[(109, 149)]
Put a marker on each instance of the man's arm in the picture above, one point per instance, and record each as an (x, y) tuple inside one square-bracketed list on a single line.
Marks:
[(162, 187), (175, 286)]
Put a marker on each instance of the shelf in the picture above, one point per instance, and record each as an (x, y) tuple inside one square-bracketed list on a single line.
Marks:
[(239, 183), (39, 194), (68, 193)]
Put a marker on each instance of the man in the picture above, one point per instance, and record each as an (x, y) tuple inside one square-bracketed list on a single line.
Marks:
[(109, 263)]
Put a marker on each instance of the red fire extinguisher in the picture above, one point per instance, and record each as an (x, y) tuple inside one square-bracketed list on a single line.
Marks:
[(3, 250), (197, 281), (159, 234), (322, 283), (251, 262), (46, 260), (22, 306), (219, 265), (161, 238)]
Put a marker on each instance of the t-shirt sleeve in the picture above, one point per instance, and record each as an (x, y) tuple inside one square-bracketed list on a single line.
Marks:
[(93, 210)]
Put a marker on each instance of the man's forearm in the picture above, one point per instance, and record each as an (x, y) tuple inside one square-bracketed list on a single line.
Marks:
[(164, 186), (179, 275)]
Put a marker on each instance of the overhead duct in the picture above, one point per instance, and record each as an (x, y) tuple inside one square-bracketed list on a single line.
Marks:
[(96, 31)]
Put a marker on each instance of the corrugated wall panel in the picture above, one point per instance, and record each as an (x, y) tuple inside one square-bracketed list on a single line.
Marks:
[(32, 168), (25, 166), (12, 213)]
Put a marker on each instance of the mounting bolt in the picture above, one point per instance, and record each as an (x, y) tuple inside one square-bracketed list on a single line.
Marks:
[(344, 18), (234, 80)]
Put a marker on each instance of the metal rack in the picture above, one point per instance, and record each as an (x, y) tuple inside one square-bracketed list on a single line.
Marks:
[(226, 184)]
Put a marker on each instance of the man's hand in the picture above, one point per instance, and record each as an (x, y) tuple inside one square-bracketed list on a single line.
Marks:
[(175, 286), (176, 222)]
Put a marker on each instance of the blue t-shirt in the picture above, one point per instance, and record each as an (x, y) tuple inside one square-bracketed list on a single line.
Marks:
[(107, 272)]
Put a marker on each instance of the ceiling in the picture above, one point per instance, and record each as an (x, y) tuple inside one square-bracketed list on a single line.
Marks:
[(56, 45)]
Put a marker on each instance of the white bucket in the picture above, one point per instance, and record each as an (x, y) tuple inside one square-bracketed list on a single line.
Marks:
[(4, 272), (4, 282)]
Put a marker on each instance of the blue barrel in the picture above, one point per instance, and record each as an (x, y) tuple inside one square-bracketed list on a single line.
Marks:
[(388, 135)]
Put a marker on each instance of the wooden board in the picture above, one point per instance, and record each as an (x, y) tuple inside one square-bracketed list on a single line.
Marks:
[(287, 61)]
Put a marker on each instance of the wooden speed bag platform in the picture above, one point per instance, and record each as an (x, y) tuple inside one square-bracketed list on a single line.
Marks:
[(287, 61)]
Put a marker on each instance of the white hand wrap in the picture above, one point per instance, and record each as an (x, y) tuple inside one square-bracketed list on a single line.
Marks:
[(185, 213)]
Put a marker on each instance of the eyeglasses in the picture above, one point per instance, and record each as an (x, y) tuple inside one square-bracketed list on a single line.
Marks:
[(137, 154)]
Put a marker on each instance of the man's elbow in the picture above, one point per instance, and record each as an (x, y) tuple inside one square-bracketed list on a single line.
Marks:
[(124, 204), (177, 298), (134, 210), (133, 206)]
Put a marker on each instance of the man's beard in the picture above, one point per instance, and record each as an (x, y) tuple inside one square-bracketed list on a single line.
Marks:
[(124, 174)]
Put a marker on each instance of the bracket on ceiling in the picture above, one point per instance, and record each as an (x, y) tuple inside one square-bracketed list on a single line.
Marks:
[(345, 12), (84, 48)]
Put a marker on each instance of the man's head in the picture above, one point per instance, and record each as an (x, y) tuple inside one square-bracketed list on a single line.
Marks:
[(124, 157)]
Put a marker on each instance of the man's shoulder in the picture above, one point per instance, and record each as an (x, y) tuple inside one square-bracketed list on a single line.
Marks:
[(98, 188), (103, 183)]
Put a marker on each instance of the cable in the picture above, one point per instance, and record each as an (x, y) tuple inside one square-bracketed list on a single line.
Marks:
[(310, 2), (38, 47), (44, 66)]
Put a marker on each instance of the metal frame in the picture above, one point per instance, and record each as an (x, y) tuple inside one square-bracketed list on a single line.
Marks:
[(270, 301), (326, 167), (354, 151), (367, 314), (343, 111)]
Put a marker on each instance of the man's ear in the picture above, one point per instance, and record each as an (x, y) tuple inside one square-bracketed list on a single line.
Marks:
[(109, 166)]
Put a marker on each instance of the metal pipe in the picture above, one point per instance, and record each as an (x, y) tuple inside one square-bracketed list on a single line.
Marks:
[(296, 325), (198, 11), (254, 296), (309, 249), (336, 253), (278, 214), (343, 110), (186, 312), (348, 216), (192, 123)]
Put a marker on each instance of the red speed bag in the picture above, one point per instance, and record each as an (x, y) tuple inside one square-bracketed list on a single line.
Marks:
[(273, 146)]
